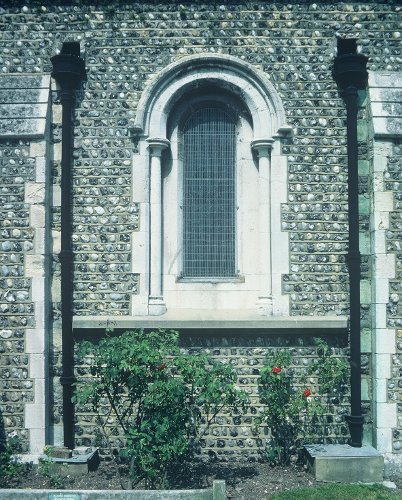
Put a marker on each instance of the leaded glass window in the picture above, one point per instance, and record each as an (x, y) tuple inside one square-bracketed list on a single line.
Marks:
[(209, 194)]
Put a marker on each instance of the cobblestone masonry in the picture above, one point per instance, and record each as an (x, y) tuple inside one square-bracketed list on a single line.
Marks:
[(125, 45), (393, 178)]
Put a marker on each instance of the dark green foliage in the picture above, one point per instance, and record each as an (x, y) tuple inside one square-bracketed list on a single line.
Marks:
[(163, 400), (331, 372), (9, 465), (290, 413), (285, 408)]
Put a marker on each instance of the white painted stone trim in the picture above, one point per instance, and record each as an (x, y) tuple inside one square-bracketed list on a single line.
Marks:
[(204, 318), (385, 94), (24, 115), (385, 91), (156, 304), (263, 148)]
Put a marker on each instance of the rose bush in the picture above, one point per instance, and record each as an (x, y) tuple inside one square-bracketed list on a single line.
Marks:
[(161, 400), (283, 410), (290, 413)]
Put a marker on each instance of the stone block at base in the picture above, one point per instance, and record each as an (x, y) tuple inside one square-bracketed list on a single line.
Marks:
[(77, 464), (345, 464), (58, 452)]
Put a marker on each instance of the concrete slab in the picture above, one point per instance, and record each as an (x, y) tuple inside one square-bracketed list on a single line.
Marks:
[(59, 452), (345, 464)]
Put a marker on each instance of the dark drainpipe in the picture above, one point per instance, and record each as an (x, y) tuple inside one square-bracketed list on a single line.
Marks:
[(68, 71), (350, 73)]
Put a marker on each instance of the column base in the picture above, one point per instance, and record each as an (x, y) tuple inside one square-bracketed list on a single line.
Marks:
[(265, 306), (156, 306)]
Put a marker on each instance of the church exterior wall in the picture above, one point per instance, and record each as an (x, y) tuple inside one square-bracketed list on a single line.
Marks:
[(126, 45)]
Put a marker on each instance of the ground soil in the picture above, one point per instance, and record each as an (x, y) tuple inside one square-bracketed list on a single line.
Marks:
[(244, 481)]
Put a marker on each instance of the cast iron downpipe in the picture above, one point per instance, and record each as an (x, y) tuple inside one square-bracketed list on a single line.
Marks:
[(68, 71), (351, 75)]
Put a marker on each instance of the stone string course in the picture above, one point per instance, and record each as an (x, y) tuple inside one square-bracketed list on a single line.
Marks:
[(126, 45)]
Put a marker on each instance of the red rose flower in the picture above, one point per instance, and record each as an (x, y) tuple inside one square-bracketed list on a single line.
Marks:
[(276, 369), (306, 393)]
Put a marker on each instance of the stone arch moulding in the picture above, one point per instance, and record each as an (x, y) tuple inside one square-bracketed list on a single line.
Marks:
[(253, 87), (158, 101)]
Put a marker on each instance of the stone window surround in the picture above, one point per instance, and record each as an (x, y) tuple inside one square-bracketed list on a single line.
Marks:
[(258, 95)]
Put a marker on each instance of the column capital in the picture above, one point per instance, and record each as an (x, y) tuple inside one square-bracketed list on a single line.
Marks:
[(262, 146), (157, 145)]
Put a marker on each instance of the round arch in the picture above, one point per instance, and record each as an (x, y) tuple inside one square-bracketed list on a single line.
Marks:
[(223, 71)]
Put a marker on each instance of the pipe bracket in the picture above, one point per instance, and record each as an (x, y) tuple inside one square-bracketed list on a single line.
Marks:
[(67, 380)]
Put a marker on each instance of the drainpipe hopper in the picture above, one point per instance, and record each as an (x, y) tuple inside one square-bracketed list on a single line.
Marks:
[(69, 72)]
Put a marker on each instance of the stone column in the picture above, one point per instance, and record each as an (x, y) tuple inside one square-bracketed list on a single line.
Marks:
[(263, 148), (156, 304)]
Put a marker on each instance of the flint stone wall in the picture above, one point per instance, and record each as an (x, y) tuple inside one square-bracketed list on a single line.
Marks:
[(15, 297), (293, 43), (394, 307), (125, 45), (24, 243)]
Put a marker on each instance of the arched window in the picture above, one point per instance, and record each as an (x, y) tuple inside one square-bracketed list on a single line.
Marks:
[(209, 194), (210, 179)]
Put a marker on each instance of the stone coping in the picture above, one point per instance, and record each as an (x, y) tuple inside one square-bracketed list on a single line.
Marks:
[(217, 492), (77, 458), (224, 319)]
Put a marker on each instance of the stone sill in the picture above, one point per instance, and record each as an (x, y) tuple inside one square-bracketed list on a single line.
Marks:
[(224, 319)]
